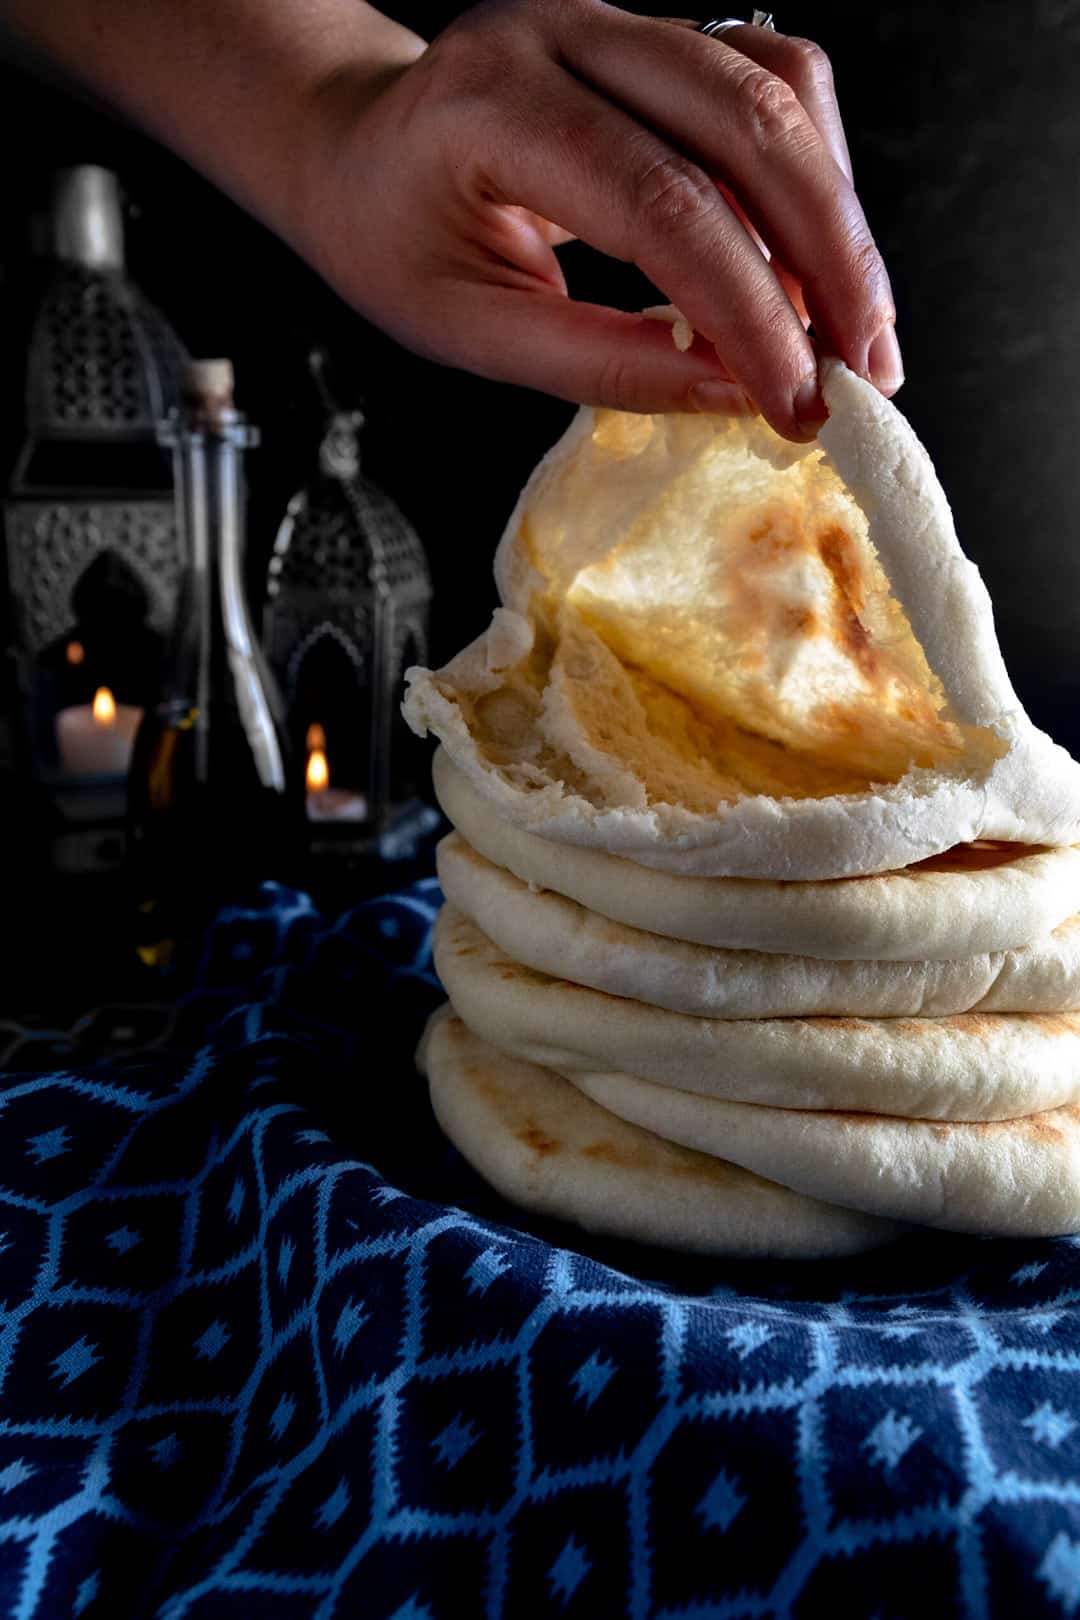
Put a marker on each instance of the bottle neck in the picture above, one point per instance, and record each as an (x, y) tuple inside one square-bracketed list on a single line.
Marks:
[(218, 675)]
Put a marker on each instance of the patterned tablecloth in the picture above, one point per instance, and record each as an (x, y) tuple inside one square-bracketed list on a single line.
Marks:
[(268, 1348)]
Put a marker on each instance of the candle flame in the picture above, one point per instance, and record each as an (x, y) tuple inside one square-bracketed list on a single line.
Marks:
[(76, 652), (104, 706), (316, 737), (318, 772)]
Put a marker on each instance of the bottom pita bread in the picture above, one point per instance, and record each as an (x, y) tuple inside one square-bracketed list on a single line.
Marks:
[(542, 1144), (1008, 1178)]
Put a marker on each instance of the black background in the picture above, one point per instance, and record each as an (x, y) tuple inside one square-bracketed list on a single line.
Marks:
[(964, 125)]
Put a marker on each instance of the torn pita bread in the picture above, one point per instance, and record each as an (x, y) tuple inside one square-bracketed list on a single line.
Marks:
[(545, 1146), (721, 654), (971, 900)]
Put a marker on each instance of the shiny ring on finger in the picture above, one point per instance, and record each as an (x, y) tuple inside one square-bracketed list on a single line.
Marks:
[(720, 25)]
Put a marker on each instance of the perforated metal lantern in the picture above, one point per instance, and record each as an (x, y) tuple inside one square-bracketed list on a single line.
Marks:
[(93, 555), (347, 611)]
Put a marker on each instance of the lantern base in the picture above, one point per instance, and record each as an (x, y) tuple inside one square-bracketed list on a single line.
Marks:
[(347, 862)]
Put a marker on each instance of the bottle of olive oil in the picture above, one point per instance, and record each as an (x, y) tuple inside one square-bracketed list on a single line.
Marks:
[(214, 803)]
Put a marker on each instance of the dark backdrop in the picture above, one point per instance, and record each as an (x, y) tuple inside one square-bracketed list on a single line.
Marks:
[(965, 132)]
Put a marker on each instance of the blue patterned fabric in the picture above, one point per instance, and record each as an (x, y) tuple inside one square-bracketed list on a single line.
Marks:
[(268, 1348)]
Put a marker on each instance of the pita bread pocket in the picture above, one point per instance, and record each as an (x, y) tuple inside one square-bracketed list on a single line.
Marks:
[(971, 899), (720, 654), (544, 1145)]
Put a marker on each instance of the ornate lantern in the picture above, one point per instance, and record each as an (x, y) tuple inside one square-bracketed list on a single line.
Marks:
[(347, 607), (93, 555)]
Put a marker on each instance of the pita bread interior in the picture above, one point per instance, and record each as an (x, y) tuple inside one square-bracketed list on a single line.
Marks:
[(975, 1066), (722, 654), (970, 900), (561, 939), (545, 1146)]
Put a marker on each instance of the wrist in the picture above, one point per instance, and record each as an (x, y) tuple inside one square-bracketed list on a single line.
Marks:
[(334, 106)]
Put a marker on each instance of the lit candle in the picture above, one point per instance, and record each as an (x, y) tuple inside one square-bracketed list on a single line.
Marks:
[(318, 772), (325, 803), (95, 739)]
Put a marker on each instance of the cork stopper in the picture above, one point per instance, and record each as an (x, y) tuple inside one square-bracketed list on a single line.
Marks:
[(209, 383)]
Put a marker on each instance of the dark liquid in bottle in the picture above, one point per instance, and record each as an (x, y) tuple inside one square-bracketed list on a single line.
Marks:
[(204, 830), (214, 805)]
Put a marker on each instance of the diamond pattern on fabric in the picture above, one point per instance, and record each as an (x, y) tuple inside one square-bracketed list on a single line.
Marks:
[(269, 1348)]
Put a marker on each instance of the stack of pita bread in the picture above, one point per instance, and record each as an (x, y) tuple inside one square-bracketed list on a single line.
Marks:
[(762, 930)]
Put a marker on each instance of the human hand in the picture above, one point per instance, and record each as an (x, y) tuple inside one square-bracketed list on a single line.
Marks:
[(433, 200)]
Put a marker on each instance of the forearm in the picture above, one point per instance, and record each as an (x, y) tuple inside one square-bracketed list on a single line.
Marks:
[(236, 87)]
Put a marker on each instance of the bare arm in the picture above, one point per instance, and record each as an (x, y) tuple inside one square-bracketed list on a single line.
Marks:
[(232, 85), (431, 185)]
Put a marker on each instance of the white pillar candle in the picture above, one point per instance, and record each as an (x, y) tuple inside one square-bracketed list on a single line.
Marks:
[(326, 803), (95, 739)]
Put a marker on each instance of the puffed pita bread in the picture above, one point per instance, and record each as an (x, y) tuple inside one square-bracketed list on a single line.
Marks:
[(974, 1066), (1013, 1178), (561, 939), (723, 654), (545, 1146), (970, 900)]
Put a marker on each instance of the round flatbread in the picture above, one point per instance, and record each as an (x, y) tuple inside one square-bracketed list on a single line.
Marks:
[(975, 1066), (722, 654), (562, 939), (1012, 1178), (972, 900), (545, 1146)]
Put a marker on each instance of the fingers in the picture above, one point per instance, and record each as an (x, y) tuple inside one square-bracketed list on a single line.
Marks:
[(806, 68), (746, 126), (601, 175), (587, 354)]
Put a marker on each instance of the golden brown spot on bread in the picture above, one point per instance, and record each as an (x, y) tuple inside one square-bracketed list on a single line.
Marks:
[(526, 539), (1054, 1023), (538, 1140), (988, 1026), (800, 621), (837, 551), (1040, 1129), (641, 1151), (605, 1151)]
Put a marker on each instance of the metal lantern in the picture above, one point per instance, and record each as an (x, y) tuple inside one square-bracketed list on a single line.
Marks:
[(93, 555), (347, 610)]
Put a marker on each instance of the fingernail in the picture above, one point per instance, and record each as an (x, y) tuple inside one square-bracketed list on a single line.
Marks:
[(719, 397), (808, 405), (883, 361)]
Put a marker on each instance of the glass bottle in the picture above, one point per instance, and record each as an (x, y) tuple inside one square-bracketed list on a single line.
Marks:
[(215, 806)]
